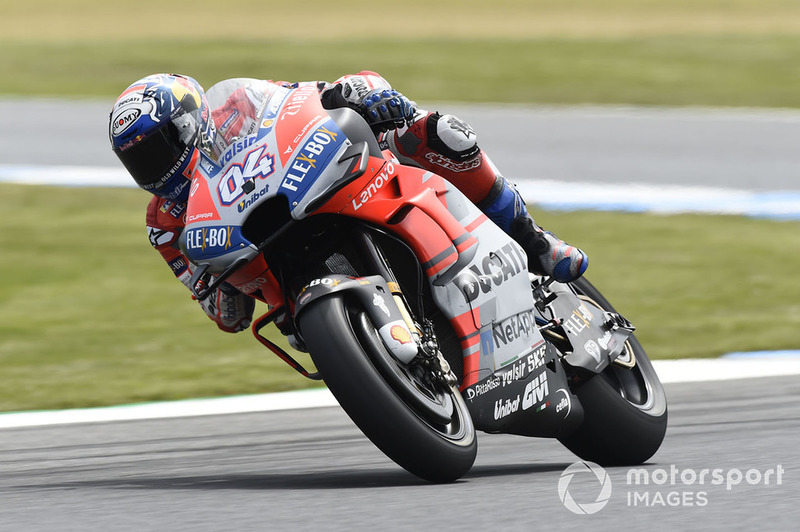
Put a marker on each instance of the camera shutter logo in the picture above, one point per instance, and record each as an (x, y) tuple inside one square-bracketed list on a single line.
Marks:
[(598, 474)]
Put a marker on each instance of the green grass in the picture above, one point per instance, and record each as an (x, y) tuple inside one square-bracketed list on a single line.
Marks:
[(103, 21), (647, 52), (90, 314), (694, 70)]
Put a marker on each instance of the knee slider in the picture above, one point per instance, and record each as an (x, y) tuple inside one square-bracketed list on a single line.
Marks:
[(452, 137)]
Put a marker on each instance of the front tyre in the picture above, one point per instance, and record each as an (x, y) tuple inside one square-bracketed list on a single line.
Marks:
[(421, 424), (625, 409)]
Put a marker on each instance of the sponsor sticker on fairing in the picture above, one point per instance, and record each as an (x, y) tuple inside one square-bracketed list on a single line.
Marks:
[(503, 408), (383, 177), (517, 371), (312, 158), (536, 391), (258, 164), (398, 340), (252, 199), (578, 320), (494, 269), (519, 326), (213, 241), (400, 333), (379, 301)]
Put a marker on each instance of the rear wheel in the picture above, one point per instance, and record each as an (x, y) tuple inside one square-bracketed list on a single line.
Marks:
[(625, 408), (415, 419)]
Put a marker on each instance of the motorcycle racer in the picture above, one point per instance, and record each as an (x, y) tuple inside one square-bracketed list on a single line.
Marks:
[(161, 123)]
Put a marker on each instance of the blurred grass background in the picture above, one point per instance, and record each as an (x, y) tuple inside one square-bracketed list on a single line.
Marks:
[(90, 315), (652, 52)]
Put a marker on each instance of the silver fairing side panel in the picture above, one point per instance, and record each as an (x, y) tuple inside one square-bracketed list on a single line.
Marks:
[(494, 287)]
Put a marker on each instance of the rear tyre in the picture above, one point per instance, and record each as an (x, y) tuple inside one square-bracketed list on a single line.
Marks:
[(625, 409), (421, 424)]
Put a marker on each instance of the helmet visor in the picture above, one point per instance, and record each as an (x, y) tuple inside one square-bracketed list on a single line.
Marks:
[(153, 160)]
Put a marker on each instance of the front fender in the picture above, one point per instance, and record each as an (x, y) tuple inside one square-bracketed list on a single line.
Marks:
[(373, 294)]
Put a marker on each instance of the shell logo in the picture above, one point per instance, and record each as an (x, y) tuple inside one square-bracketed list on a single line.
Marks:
[(400, 334)]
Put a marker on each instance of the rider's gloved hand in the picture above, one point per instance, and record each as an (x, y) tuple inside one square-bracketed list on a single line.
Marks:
[(230, 309), (386, 109)]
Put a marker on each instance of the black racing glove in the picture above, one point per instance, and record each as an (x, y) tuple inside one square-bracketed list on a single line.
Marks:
[(385, 109)]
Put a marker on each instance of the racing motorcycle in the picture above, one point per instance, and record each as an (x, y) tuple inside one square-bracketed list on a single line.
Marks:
[(417, 311)]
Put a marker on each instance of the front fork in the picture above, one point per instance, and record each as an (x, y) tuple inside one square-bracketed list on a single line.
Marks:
[(429, 355), (375, 261)]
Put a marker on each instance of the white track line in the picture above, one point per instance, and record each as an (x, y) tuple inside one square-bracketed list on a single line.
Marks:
[(670, 371), (556, 195)]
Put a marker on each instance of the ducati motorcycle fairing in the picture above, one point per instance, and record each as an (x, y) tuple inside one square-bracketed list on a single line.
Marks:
[(524, 341), (478, 275)]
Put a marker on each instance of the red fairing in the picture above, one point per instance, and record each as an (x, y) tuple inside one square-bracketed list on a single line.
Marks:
[(399, 194), (201, 207), (301, 112), (410, 203)]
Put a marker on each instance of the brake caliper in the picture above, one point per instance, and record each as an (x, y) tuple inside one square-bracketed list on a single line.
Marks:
[(432, 359)]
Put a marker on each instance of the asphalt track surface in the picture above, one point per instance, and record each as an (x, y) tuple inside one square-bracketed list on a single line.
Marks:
[(743, 149), (312, 469)]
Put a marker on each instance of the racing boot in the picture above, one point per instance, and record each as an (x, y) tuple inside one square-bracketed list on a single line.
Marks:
[(547, 254)]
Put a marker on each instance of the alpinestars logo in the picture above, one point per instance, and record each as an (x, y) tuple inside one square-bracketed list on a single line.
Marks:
[(158, 236), (452, 165)]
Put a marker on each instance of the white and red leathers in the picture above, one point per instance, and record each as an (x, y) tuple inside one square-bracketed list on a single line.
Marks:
[(440, 143)]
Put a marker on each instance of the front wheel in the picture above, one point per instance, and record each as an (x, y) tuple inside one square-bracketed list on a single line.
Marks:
[(625, 408), (417, 421)]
